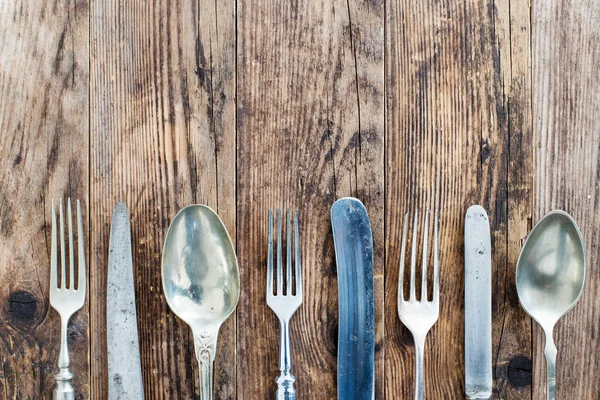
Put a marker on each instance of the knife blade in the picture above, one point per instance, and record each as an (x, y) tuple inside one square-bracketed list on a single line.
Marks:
[(353, 241), (478, 304), (124, 367)]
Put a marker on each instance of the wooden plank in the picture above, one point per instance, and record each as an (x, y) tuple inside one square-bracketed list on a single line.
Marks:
[(566, 124), (310, 130), (43, 156), (163, 137), (449, 89), (512, 326)]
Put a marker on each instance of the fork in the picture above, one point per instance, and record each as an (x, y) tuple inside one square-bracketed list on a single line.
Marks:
[(419, 316), (66, 300), (284, 304)]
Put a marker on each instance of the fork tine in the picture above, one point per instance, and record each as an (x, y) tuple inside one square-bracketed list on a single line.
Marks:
[(436, 262), (279, 256), (54, 252), (297, 264), (413, 258), (288, 263), (270, 256), (71, 247), (63, 262), (402, 255), (81, 255), (424, 266)]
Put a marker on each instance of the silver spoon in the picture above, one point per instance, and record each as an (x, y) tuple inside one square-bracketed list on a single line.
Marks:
[(201, 281), (550, 277)]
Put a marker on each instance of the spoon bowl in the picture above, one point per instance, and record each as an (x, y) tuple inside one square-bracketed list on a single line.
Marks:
[(550, 277), (200, 280)]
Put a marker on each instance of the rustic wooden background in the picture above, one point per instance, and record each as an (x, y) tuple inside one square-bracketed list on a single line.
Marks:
[(247, 105)]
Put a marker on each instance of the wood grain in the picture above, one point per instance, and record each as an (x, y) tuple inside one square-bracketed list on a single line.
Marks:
[(310, 130), (512, 327), (452, 115), (566, 126), (163, 137), (43, 156), (251, 105)]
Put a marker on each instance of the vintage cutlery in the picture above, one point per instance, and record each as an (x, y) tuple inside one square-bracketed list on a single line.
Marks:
[(285, 304), (419, 316), (478, 304), (201, 281), (550, 277), (353, 241), (66, 299), (124, 368)]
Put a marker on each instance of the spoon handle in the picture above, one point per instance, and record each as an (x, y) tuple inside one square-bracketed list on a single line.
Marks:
[(206, 379), (205, 344), (550, 353)]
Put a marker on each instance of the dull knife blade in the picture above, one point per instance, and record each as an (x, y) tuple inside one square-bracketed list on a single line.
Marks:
[(353, 243), (478, 304), (124, 368)]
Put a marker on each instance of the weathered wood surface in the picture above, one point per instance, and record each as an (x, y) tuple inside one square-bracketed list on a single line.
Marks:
[(252, 105), (566, 128), (162, 137), (456, 103), (44, 145), (310, 130)]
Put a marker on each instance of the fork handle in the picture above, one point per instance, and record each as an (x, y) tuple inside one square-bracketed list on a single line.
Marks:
[(285, 381), (419, 361), (63, 389)]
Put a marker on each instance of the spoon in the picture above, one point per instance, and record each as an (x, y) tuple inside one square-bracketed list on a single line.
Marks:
[(201, 281), (550, 276)]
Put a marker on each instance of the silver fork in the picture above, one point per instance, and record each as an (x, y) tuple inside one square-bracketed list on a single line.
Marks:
[(66, 299), (285, 304), (419, 316)]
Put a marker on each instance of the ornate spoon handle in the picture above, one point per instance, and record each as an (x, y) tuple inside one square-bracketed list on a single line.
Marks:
[(205, 344)]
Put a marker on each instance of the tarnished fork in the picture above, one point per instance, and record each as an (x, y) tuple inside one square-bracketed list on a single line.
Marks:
[(419, 316), (66, 299), (285, 304)]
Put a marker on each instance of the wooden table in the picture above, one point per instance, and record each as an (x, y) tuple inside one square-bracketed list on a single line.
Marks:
[(248, 105)]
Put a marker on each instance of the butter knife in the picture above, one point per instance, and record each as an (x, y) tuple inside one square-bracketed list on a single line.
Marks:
[(478, 304), (124, 368), (353, 243)]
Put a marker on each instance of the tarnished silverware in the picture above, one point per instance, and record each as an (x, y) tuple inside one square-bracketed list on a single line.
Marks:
[(419, 315), (353, 240), (550, 276), (65, 297), (478, 304), (285, 303), (124, 367), (201, 281)]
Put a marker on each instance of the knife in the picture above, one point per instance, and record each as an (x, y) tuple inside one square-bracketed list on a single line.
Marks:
[(353, 243), (478, 304), (124, 368)]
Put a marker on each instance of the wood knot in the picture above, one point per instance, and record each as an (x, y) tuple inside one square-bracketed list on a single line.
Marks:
[(519, 371), (486, 150), (23, 305)]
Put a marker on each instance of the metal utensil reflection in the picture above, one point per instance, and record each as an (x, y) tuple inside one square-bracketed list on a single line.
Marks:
[(201, 280), (550, 277)]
